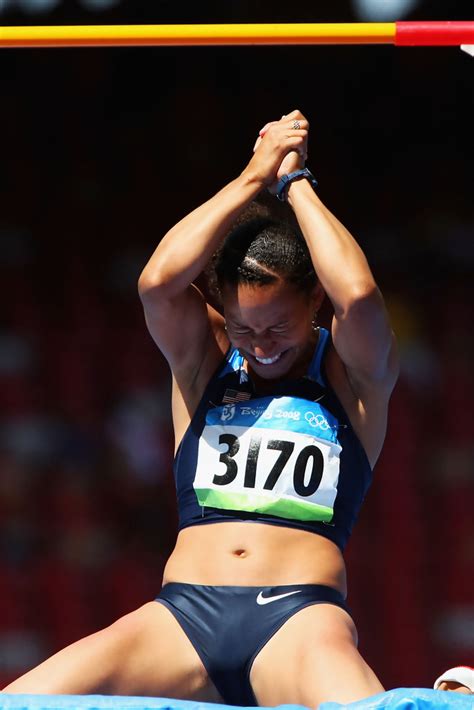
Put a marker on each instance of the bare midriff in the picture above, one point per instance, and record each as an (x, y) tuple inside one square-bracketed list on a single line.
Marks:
[(254, 554)]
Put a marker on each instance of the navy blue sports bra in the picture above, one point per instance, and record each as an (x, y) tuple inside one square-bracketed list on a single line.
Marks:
[(289, 459)]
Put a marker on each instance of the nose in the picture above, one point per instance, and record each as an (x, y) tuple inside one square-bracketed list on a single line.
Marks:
[(263, 346)]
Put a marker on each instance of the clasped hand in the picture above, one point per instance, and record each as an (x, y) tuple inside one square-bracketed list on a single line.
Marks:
[(281, 148)]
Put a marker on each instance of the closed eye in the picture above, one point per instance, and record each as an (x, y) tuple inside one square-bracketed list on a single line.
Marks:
[(276, 331)]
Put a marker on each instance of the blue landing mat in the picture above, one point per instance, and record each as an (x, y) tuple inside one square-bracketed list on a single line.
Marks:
[(409, 699), (398, 699)]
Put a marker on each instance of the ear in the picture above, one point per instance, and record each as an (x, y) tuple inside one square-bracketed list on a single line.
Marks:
[(317, 297)]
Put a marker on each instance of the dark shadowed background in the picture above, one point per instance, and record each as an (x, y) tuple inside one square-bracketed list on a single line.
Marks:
[(102, 150)]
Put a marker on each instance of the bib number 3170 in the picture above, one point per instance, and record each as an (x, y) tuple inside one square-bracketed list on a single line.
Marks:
[(307, 468)]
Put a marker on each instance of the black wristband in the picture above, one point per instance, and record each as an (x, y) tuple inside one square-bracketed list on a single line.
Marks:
[(285, 180)]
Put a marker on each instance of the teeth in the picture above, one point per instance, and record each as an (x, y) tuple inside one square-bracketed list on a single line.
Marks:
[(267, 360)]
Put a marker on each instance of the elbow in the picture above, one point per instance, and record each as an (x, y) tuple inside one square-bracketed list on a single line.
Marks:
[(145, 284), (151, 284), (364, 300)]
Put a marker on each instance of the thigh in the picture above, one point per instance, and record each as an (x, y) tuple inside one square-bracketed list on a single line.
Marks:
[(144, 653), (313, 658)]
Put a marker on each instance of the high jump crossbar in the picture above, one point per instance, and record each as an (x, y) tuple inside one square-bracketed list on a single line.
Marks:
[(397, 33)]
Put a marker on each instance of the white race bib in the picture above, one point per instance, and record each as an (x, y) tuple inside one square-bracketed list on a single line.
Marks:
[(278, 456)]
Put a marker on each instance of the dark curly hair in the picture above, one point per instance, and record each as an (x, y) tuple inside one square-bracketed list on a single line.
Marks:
[(261, 250)]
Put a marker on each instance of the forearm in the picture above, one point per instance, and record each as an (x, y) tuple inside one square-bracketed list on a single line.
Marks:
[(185, 250), (339, 262)]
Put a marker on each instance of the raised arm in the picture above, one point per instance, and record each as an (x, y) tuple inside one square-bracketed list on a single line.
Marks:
[(367, 366), (361, 329), (175, 311)]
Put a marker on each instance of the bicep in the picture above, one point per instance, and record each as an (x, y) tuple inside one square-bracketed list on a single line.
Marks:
[(184, 329), (365, 343)]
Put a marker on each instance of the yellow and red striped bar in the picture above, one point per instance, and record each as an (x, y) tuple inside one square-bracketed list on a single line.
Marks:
[(398, 33)]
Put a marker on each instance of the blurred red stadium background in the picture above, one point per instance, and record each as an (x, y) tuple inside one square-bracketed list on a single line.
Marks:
[(102, 151)]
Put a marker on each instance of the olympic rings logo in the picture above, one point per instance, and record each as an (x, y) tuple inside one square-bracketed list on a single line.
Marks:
[(317, 421)]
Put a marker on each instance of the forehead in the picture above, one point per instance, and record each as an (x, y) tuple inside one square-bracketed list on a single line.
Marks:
[(259, 306)]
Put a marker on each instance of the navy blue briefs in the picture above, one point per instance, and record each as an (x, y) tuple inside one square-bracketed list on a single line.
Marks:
[(228, 626)]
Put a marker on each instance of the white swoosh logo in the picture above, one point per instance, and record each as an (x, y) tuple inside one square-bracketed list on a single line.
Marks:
[(267, 600)]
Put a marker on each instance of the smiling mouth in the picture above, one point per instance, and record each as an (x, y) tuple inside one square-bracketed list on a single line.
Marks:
[(268, 360)]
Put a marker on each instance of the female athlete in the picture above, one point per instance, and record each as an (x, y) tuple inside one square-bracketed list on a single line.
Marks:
[(278, 425)]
